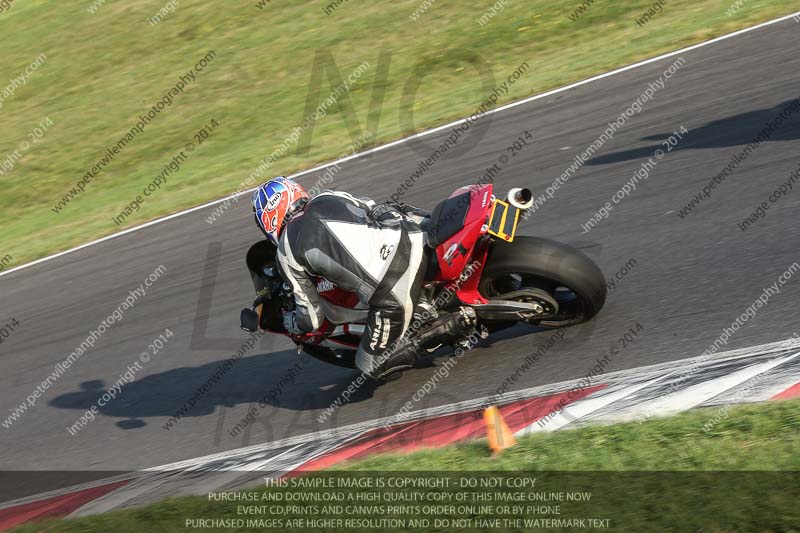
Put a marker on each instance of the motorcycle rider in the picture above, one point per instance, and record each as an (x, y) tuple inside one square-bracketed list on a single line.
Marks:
[(374, 251)]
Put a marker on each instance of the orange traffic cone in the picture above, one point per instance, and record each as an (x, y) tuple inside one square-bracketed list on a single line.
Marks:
[(500, 437)]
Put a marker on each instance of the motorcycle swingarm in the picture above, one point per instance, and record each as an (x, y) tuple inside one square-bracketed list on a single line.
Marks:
[(504, 308)]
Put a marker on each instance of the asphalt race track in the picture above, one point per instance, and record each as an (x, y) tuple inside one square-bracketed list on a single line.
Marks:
[(691, 277)]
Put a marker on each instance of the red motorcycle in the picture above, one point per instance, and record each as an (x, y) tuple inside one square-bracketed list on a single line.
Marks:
[(479, 276)]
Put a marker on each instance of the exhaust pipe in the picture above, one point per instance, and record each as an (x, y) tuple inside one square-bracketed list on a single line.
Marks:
[(521, 198)]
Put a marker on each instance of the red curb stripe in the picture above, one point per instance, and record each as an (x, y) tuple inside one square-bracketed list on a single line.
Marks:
[(788, 394), (441, 431), (55, 507)]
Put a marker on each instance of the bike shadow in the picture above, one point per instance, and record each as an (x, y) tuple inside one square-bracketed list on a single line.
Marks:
[(280, 379), (735, 130)]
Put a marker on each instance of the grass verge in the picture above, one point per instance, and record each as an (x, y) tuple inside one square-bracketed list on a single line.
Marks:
[(107, 63), (740, 472)]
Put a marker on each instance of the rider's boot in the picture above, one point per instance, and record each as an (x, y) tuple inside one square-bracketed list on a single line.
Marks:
[(402, 358), (444, 331)]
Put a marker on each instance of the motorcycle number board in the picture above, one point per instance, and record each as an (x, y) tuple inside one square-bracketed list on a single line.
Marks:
[(503, 221)]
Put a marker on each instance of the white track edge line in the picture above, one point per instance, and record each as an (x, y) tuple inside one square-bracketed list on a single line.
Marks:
[(586, 406), (415, 136), (463, 406)]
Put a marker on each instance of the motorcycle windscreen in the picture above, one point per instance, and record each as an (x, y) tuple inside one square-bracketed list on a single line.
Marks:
[(504, 220)]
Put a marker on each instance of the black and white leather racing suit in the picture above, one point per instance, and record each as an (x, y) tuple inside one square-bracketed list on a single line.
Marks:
[(375, 252)]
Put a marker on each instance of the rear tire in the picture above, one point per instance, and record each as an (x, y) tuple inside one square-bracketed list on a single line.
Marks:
[(571, 277)]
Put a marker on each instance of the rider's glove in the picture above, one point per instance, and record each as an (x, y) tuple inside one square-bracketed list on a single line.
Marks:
[(290, 323)]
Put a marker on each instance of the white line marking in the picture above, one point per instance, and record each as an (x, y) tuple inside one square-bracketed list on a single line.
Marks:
[(252, 467), (415, 136), (695, 395), (227, 476), (117, 497), (585, 407), (203, 485)]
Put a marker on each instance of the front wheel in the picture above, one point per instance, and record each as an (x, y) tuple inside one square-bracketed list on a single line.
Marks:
[(566, 274)]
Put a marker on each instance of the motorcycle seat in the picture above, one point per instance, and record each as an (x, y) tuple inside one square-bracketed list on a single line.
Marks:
[(446, 219)]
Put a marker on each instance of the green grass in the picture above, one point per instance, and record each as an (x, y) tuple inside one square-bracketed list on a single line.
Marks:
[(105, 69), (663, 474)]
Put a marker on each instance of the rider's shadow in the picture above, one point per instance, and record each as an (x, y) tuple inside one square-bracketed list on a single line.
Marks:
[(281, 379), (735, 130)]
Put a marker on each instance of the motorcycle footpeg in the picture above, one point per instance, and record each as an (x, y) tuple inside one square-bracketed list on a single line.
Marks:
[(249, 320), (467, 317)]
